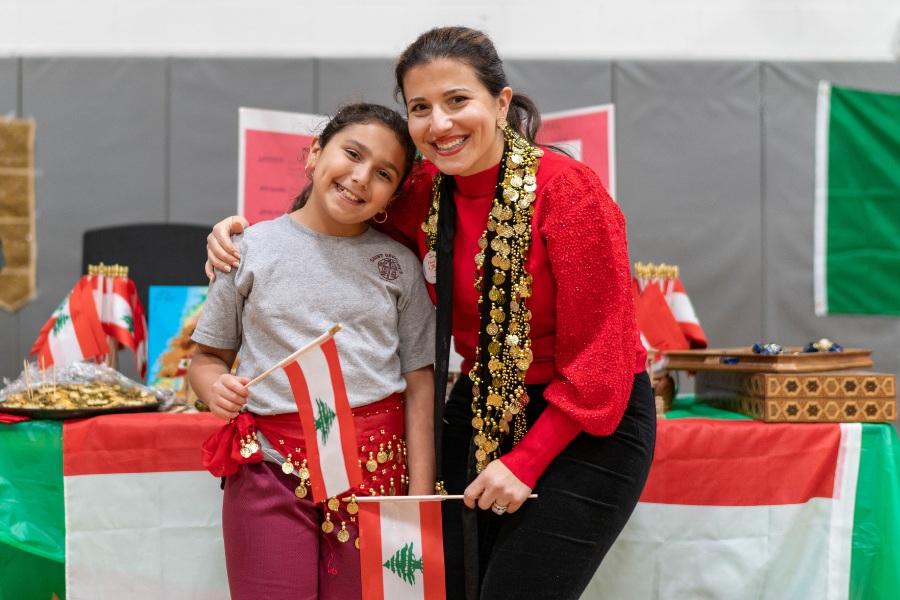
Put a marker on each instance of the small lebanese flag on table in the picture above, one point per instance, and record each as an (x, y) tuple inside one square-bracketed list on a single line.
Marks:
[(73, 332), (401, 548), (316, 380)]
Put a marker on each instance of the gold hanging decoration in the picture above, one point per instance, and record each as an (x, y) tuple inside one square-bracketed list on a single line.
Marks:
[(17, 226)]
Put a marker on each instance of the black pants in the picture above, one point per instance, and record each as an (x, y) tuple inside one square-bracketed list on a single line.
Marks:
[(551, 547)]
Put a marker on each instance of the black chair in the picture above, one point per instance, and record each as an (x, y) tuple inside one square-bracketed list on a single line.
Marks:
[(155, 253)]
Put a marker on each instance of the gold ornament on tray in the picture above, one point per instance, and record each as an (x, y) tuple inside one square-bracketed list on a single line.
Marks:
[(75, 396), (77, 390)]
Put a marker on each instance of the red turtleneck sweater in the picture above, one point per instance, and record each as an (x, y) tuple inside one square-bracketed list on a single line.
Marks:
[(584, 334)]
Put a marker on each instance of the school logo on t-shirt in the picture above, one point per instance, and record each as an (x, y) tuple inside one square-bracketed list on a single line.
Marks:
[(388, 266)]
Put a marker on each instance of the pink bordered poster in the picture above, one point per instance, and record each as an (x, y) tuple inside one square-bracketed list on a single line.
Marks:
[(588, 134), (271, 158)]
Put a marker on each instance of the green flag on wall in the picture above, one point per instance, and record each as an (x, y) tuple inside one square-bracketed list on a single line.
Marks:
[(857, 208)]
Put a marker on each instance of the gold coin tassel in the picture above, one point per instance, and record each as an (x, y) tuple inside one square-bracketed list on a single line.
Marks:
[(499, 394)]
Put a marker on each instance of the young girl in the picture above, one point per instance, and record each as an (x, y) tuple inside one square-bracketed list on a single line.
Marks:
[(300, 274)]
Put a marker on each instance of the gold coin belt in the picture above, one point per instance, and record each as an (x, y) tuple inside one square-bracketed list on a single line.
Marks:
[(503, 245), (384, 460)]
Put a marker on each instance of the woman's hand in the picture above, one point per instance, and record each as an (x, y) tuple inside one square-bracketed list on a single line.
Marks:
[(221, 253), (228, 396), (496, 484)]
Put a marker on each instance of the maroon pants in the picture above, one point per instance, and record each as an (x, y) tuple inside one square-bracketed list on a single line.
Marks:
[(274, 545)]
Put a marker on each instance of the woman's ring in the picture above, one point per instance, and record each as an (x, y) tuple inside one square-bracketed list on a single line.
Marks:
[(499, 509)]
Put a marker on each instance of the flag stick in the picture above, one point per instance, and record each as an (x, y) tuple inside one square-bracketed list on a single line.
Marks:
[(409, 498), (313, 344), (28, 382)]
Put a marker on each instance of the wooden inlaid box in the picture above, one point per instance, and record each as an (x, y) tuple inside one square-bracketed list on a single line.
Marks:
[(828, 396), (793, 360)]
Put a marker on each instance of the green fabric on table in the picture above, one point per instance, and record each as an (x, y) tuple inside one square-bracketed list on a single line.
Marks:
[(32, 514), (685, 407), (25, 576), (875, 570)]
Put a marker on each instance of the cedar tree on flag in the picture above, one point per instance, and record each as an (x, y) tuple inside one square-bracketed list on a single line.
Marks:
[(401, 549), (318, 386)]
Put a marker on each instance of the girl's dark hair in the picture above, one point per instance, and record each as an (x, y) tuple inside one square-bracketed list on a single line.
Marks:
[(475, 49), (360, 114)]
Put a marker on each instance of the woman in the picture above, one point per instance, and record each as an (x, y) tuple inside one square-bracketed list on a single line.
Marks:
[(557, 400)]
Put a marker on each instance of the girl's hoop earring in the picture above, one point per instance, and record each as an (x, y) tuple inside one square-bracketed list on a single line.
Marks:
[(383, 219)]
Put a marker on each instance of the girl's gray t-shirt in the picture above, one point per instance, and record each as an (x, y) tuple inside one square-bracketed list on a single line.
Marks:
[(294, 284)]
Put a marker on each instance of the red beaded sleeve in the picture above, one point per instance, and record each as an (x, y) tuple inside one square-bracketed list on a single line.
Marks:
[(596, 331)]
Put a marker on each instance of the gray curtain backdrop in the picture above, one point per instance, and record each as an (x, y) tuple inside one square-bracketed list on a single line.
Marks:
[(714, 163)]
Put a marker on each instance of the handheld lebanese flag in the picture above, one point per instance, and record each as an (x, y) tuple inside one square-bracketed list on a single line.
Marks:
[(856, 241), (401, 549), (73, 332), (316, 380), (685, 316)]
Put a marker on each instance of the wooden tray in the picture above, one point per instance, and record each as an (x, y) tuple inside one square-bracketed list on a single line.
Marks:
[(745, 360)]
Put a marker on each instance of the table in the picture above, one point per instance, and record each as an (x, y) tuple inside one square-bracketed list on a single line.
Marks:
[(763, 510)]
